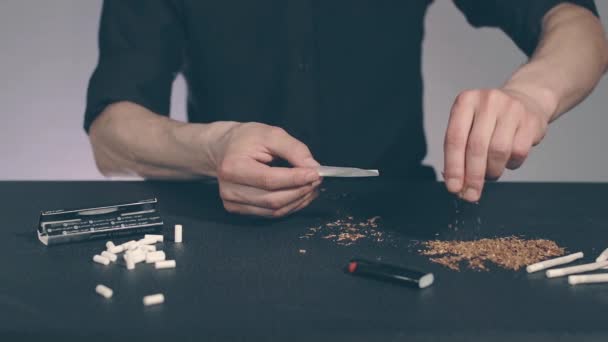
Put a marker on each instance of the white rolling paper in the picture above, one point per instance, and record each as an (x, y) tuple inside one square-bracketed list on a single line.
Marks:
[(333, 171)]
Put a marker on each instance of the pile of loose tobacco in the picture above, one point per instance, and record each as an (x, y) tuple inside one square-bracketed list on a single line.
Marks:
[(510, 253)]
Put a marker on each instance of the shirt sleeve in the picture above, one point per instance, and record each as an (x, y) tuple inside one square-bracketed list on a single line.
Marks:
[(519, 19), (140, 54)]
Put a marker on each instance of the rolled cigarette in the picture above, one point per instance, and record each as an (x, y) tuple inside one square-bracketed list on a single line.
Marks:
[(539, 266), (588, 279), (333, 171), (603, 256), (560, 272)]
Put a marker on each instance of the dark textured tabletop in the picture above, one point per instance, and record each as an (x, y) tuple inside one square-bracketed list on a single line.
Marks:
[(240, 278)]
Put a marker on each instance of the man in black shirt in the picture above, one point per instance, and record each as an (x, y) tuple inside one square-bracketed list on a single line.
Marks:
[(336, 82)]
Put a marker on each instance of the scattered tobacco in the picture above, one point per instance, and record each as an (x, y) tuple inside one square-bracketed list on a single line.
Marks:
[(347, 231)]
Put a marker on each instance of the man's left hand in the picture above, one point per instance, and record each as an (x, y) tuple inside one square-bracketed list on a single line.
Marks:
[(488, 130)]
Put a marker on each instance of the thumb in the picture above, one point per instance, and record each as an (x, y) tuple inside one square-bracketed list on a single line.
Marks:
[(283, 145)]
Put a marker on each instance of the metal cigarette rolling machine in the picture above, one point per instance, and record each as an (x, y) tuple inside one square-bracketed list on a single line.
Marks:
[(114, 221)]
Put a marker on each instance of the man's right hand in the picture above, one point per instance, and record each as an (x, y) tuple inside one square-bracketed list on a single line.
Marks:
[(248, 185)]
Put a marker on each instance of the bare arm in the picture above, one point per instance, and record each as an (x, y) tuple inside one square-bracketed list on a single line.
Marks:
[(570, 60), (493, 129), (129, 139)]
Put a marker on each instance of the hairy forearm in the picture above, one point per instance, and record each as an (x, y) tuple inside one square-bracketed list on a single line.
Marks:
[(571, 58), (128, 139)]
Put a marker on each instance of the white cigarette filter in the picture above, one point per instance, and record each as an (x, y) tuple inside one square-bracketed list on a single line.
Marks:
[(101, 259), (147, 248), (126, 244), (111, 256), (136, 256), (146, 241), (136, 251), (158, 237), (178, 233), (560, 272), (159, 265), (588, 279), (153, 257), (104, 291), (110, 245), (603, 256), (154, 299), (539, 266), (116, 249), (129, 262), (130, 245)]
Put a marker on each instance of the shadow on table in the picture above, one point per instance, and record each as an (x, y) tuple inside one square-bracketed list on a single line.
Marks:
[(418, 210)]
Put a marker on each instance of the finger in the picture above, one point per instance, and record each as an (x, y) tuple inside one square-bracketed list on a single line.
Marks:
[(244, 194), (501, 145), (461, 118), (522, 143), (477, 153), (249, 172), (291, 149), (307, 202), (245, 209), (297, 205)]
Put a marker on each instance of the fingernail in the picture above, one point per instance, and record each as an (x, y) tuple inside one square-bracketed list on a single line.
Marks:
[(453, 184), (471, 194)]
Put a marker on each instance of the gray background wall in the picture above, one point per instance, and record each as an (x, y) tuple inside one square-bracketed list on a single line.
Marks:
[(48, 50)]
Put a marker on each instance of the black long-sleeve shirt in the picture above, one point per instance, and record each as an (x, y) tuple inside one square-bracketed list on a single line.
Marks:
[(343, 76)]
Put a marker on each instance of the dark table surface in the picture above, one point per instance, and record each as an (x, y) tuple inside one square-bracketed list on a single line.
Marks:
[(245, 279)]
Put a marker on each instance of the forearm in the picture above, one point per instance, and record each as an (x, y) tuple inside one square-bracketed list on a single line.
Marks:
[(571, 58), (128, 139)]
